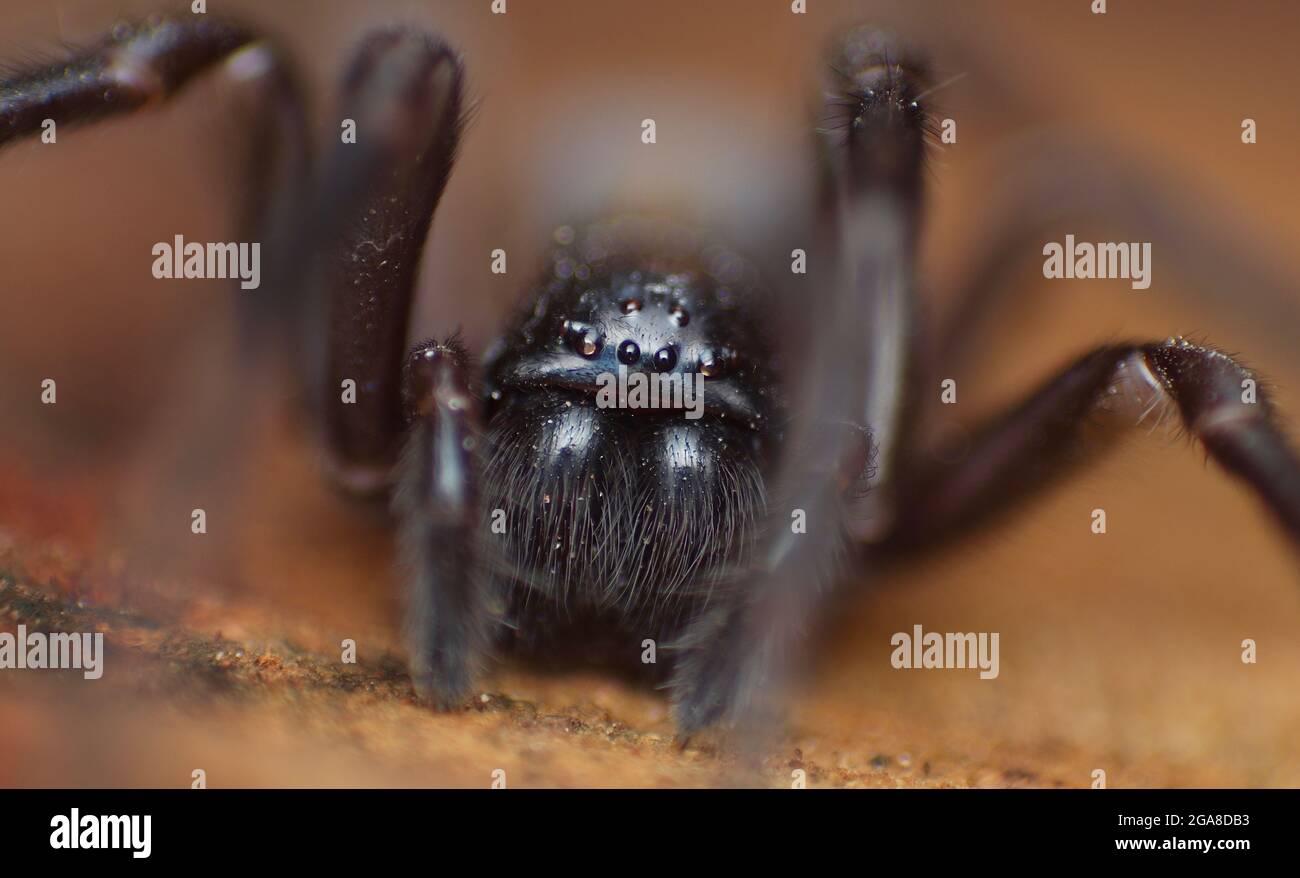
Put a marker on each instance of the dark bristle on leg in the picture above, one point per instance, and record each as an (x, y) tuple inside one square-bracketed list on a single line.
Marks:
[(437, 502), (1218, 399), (368, 227)]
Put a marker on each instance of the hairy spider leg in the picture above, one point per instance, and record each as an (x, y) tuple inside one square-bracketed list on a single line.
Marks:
[(1219, 401)]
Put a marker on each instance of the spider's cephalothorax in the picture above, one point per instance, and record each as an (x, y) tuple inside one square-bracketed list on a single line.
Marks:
[(535, 493), (641, 500)]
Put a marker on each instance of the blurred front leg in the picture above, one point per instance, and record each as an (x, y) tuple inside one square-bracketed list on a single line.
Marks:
[(860, 332)]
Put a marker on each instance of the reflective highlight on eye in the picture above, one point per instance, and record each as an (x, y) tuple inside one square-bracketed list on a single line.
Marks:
[(582, 339), (628, 352)]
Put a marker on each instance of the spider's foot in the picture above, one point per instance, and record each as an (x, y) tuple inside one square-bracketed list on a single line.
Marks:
[(443, 679), (432, 691), (721, 679)]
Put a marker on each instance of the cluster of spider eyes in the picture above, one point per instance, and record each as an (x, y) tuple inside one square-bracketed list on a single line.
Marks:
[(587, 342)]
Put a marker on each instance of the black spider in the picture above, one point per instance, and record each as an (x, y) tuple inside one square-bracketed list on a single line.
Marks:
[(525, 504)]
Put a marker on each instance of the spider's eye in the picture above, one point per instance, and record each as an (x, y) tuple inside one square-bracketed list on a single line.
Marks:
[(628, 352), (665, 359), (712, 364), (631, 306), (679, 314), (914, 106), (582, 339)]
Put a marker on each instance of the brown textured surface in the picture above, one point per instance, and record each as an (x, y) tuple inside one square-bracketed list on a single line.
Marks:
[(1119, 652)]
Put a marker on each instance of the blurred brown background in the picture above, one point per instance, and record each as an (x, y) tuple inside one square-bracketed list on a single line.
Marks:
[(1119, 652)]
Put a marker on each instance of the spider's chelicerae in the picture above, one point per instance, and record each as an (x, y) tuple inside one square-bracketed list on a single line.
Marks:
[(530, 508)]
